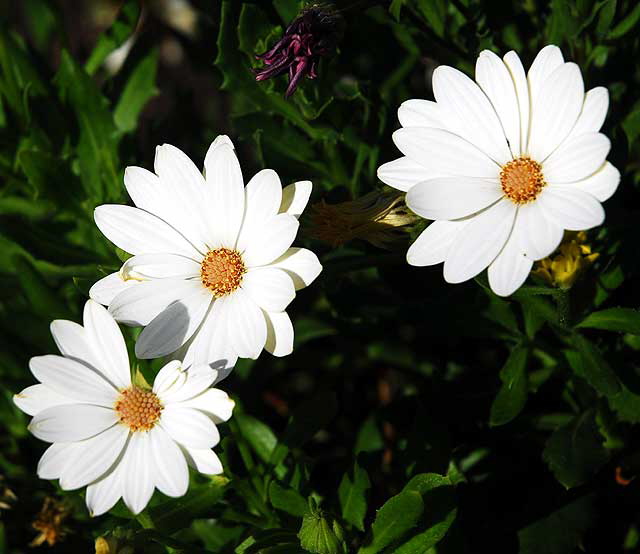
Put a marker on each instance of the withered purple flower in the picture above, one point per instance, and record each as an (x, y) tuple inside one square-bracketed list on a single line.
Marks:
[(313, 34)]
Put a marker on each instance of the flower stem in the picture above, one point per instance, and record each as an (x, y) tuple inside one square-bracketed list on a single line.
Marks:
[(563, 302)]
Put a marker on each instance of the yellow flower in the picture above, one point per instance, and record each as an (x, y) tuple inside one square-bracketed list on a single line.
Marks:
[(109, 545), (379, 217), (49, 522), (569, 262)]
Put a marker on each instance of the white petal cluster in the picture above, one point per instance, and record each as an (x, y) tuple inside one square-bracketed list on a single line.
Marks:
[(77, 406), (181, 217), (457, 153)]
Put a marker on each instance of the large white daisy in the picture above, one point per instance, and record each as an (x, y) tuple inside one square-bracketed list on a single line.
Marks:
[(119, 439), (502, 165), (212, 270)]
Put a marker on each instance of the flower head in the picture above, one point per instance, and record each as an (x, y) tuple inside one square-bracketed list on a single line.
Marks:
[(574, 256), (212, 270), (116, 437), (380, 218), (313, 34), (50, 522), (503, 165)]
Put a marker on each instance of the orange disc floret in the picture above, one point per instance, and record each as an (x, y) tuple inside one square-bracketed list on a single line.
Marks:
[(522, 180), (222, 271)]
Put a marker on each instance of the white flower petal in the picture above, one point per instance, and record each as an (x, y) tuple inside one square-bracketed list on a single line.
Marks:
[(301, 264), (271, 241), (171, 473), (103, 494), (433, 244), (471, 114), (107, 288), (171, 375), (571, 208), (106, 341), (514, 65), (263, 196), (214, 402), (54, 460), (479, 242), (602, 184), (577, 158), (138, 479), (295, 198), (269, 287), (210, 345), (593, 114), (452, 197), (184, 193), (203, 460), (246, 324), (496, 81), (189, 427), (93, 457), (545, 63), (73, 422), (169, 198), (444, 153), (403, 173), (172, 327), (279, 333), (555, 110), (421, 113), (72, 341), (510, 269), (160, 266), (225, 195), (72, 379), (36, 398), (538, 236), (139, 232), (199, 378), (138, 306)]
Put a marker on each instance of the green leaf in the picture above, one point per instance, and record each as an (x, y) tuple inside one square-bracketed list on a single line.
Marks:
[(395, 7), (257, 434), (287, 500), (353, 496), (512, 396), (624, 320), (591, 366), (97, 145), (320, 533), (397, 517), (574, 452), (140, 88), (121, 29), (177, 513), (560, 532), (627, 24), (288, 9), (439, 508)]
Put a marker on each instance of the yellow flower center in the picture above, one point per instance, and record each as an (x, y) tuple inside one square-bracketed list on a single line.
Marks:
[(139, 409), (222, 271), (522, 180)]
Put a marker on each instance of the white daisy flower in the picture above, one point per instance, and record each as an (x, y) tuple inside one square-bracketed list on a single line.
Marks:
[(119, 439), (502, 165), (212, 270)]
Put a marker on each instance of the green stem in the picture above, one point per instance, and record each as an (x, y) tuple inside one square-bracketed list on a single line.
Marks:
[(563, 302), (145, 520)]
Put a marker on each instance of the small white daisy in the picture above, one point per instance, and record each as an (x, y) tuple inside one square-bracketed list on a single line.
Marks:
[(213, 269), (502, 165), (119, 439)]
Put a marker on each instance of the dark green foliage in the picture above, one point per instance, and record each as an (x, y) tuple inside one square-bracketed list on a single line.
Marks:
[(414, 417)]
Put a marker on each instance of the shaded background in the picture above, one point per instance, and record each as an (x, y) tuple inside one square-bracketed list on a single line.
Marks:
[(394, 372)]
